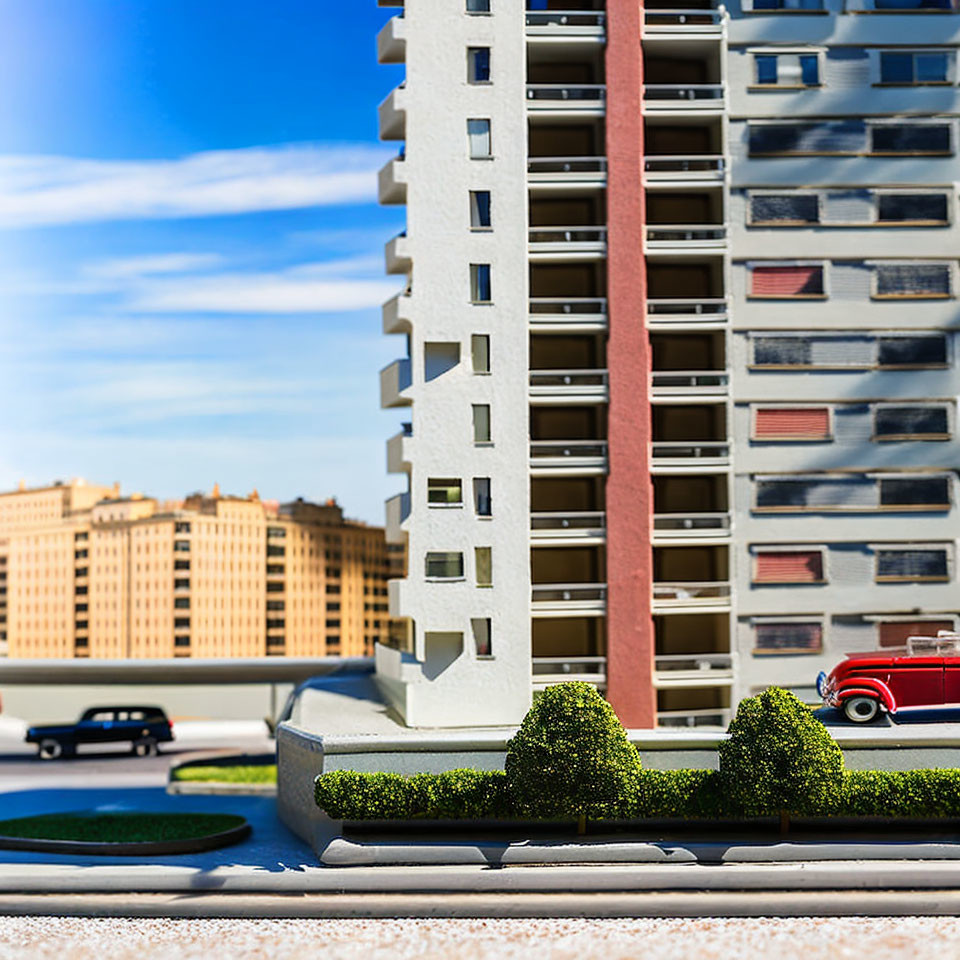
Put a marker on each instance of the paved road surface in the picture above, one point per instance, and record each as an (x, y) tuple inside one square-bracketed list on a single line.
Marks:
[(45, 938)]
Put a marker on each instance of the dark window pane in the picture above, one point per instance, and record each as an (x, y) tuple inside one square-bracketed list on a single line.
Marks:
[(810, 69), (911, 421), (931, 67), (909, 279), (912, 206), (789, 637), (910, 564), (766, 69), (912, 351), (781, 351), (840, 136), (916, 138), (896, 67), (933, 491), (802, 208)]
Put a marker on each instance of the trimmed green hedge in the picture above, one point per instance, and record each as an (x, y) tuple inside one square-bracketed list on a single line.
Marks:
[(571, 758)]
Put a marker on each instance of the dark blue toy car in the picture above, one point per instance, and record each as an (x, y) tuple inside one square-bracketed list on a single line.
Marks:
[(142, 727)]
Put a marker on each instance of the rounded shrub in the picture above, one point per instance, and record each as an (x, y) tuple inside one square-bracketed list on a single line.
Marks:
[(571, 758), (779, 757)]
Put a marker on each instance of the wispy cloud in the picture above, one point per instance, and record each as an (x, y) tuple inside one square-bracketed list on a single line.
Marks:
[(50, 190), (121, 268)]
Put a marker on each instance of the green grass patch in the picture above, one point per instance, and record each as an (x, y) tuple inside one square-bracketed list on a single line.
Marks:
[(119, 827), (252, 773)]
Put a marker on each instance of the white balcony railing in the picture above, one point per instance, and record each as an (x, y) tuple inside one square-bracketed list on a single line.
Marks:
[(708, 453), (691, 525), (684, 594), (667, 311), (580, 96), (568, 311), (567, 169), (706, 717), (701, 663), (561, 238), (565, 525), (589, 385), (548, 670), (699, 166), (673, 383), (687, 21), (565, 23), (394, 380), (572, 456), (569, 594), (699, 235)]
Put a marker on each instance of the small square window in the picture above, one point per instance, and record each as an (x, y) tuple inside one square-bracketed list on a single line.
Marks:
[(478, 65), (478, 133), (480, 289), (444, 565), (480, 210), (480, 352), (478, 6), (444, 491)]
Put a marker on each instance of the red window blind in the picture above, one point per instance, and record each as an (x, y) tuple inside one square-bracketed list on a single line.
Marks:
[(801, 423), (786, 281), (895, 634), (788, 567)]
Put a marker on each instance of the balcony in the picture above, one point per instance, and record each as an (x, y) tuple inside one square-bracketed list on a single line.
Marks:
[(568, 314), (686, 238), (571, 528), (392, 181), (396, 314), (702, 312), (567, 171), (569, 599), (396, 253), (555, 458), (550, 670), (678, 529), (684, 97), (566, 24), (684, 456), (399, 456), (693, 670), (392, 115), (709, 717), (671, 24), (692, 385), (392, 41), (398, 509), (394, 380), (566, 99), (663, 169), (692, 596), (567, 243), (568, 386)]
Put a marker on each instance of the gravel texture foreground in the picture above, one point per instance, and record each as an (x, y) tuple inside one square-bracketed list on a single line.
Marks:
[(28, 938)]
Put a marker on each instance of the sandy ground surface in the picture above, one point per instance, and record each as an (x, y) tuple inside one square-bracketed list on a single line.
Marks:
[(27, 938)]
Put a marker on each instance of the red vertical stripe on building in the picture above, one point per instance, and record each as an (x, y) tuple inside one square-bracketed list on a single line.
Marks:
[(629, 503), (811, 423), (786, 281)]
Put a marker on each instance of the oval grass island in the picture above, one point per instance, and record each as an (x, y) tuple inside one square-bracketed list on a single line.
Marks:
[(123, 834)]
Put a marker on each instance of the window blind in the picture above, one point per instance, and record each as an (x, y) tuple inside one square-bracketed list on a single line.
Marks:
[(839, 136), (781, 351), (795, 281), (912, 564), (895, 633), (910, 138), (799, 208), (788, 567), (911, 421), (912, 279), (798, 423), (807, 495), (788, 637)]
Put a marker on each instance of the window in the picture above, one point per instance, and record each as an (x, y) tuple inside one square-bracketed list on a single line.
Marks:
[(80, 554), (181, 527), (333, 607), (182, 622), (794, 208), (913, 68), (894, 565), (787, 282), (481, 423), (81, 608), (480, 210), (181, 641), (275, 568), (274, 587), (912, 208), (788, 638), (787, 69), (481, 496), (856, 493), (483, 558), (181, 603), (480, 352), (478, 64), (480, 283), (275, 551), (277, 623), (912, 351), (81, 624), (274, 605), (444, 491), (333, 624), (804, 139), (181, 584), (276, 532), (181, 546), (478, 6), (905, 423), (911, 139), (481, 636), (82, 571), (478, 135), (918, 492), (181, 564), (781, 352), (788, 567), (794, 423), (444, 566), (894, 633), (912, 280)]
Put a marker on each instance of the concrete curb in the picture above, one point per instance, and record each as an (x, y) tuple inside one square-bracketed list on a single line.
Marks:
[(341, 852), (216, 788), (150, 878), (827, 903)]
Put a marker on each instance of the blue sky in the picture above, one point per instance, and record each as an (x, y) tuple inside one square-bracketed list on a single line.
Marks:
[(191, 258)]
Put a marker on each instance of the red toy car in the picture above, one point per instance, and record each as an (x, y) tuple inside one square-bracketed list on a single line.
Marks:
[(922, 682)]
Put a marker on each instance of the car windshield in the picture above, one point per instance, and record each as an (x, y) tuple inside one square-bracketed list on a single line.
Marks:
[(947, 645)]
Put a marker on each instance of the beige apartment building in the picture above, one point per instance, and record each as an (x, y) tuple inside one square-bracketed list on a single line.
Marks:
[(85, 572)]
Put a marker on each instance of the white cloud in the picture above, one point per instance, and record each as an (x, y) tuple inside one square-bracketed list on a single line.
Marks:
[(49, 190), (123, 268)]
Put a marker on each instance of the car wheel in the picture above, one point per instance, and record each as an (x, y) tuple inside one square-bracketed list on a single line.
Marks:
[(861, 709), (49, 749), (144, 747)]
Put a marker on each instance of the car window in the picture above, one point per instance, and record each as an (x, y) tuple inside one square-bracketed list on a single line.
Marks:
[(101, 716)]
